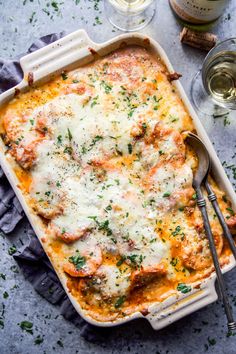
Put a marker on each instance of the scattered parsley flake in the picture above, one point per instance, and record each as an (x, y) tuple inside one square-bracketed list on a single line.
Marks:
[(12, 250), (26, 326), (106, 87), (32, 17), (177, 231), (121, 261), (69, 134), (231, 211), (183, 288), (130, 148), (59, 139), (97, 21), (78, 260), (166, 194), (194, 196), (38, 340), (64, 75), (119, 302), (5, 295)]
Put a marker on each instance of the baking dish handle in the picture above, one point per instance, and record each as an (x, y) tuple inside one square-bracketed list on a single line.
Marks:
[(62, 53), (164, 314)]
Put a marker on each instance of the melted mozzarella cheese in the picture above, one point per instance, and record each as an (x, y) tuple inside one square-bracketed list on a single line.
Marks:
[(91, 133), (112, 281), (104, 170), (168, 183)]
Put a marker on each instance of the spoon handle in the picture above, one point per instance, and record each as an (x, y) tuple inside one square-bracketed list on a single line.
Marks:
[(202, 205), (213, 199)]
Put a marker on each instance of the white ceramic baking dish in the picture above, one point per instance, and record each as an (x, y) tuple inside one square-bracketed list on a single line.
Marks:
[(75, 50)]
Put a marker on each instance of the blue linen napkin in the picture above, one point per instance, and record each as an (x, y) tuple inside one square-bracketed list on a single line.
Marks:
[(31, 257)]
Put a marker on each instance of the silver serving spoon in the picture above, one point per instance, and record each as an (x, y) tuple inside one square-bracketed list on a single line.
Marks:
[(199, 178)]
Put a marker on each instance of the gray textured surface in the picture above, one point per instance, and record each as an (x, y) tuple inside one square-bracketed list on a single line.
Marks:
[(20, 23)]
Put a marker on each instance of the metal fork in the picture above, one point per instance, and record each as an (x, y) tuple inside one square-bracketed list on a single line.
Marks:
[(199, 179)]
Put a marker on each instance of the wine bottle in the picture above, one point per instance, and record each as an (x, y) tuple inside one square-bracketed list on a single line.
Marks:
[(198, 14)]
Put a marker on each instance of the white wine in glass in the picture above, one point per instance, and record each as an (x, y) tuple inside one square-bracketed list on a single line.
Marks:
[(213, 88), (130, 15), (219, 78)]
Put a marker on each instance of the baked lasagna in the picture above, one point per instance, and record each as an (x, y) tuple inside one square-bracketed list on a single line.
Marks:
[(100, 156)]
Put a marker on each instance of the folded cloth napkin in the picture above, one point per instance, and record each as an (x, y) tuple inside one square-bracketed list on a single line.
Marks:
[(31, 257)]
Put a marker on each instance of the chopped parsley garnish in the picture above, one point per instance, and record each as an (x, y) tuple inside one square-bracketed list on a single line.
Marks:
[(69, 134), (177, 231), (26, 326), (97, 21), (108, 208), (68, 150), (64, 76), (194, 196), (55, 5), (130, 114), (183, 288), (121, 261), (59, 139), (5, 295), (78, 260), (94, 141), (106, 87), (38, 340), (104, 225), (135, 259), (94, 101), (32, 17), (231, 211), (174, 262), (144, 125), (166, 194), (12, 250), (130, 148), (3, 276), (32, 121), (92, 217), (83, 150), (119, 302)]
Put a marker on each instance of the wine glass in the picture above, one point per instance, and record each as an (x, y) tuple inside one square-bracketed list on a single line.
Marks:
[(130, 15), (213, 88)]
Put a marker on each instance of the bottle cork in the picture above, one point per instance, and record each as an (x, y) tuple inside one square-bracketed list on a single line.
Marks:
[(201, 40)]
